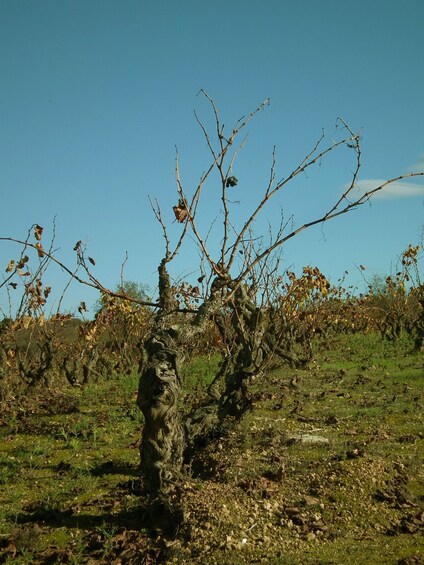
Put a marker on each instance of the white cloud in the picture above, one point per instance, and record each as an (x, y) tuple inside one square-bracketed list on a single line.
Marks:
[(408, 188), (398, 189), (419, 166)]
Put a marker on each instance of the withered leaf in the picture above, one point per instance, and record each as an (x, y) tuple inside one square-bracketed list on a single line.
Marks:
[(38, 232), (10, 266), (39, 249), (92, 261), (22, 262), (13, 285), (180, 211), (231, 181), (82, 308), (77, 245)]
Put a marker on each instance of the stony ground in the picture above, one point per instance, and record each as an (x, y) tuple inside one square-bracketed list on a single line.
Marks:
[(327, 467)]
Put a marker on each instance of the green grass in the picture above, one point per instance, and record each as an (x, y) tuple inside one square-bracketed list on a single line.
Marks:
[(70, 490), (199, 372)]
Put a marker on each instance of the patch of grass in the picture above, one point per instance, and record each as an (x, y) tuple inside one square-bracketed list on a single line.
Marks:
[(200, 371), (70, 490)]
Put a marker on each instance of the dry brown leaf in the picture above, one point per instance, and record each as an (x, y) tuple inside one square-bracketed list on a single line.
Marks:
[(10, 266), (38, 232), (39, 249), (180, 211)]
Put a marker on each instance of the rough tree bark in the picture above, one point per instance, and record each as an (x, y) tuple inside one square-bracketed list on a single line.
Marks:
[(164, 439), (159, 390), (259, 342)]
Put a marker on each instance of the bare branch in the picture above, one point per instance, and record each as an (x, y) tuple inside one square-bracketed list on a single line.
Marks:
[(307, 162), (122, 270), (332, 213), (219, 161), (206, 135), (158, 215), (92, 282)]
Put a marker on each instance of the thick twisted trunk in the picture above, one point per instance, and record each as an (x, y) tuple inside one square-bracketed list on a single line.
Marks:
[(159, 390), (162, 443), (163, 439), (260, 340), (246, 360)]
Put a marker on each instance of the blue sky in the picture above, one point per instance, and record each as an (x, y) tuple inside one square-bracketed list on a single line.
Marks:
[(96, 94)]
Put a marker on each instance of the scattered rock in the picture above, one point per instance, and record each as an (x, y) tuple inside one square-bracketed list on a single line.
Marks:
[(307, 439)]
